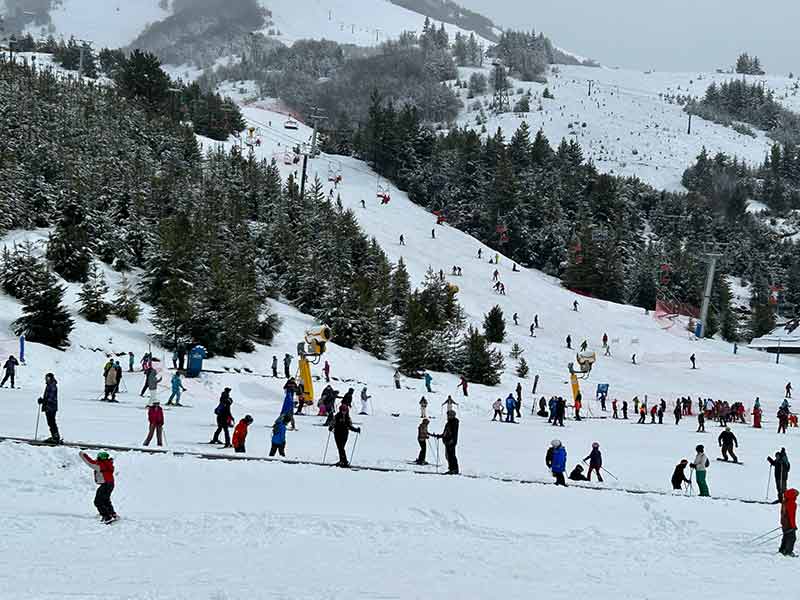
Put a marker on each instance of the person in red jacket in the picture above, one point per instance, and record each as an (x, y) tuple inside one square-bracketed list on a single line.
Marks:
[(104, 478), (789, 522), (464, 385), (155, 416), (240, 433)]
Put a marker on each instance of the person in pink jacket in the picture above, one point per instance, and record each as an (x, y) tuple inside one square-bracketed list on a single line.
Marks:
[(155, 416)]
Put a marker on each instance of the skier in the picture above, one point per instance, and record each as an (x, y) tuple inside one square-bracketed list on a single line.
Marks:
[(561, 410), (49, 403), (433, 234), (726, 441), (341, 428), (700, 465), (642, 414), (782, 468), (510, 404), (130, 362), (577, 474), (449, 437), (428, 381), (10, 368), (660, 412), (577, 405), (103, 468), (181, 356), (422, 439), (595, 459), (533, 330), (788, 388), (480, 253), (326, 369), (516, 319), (536, 321), (693, 359), (556, 461), (278, 440), (348, 398), (464, 386), (625, 409), (605, 339), (783, 419), (151, 381), (240, 433), (118, 369), (177, 389), (584, 345), (449, 403), (423, 408), (274, 366), (608, 350), (701, 422), (518, 402), (397, 378), (363, 204), (678, 412), (496, 276), (575, 306), (633, 359), (497, 405), (155, 421), (224, 418), (614, 414), (789, 522), (569, 342), (287, 363), (110, 375), (364, 400), (402, 240), (757, 415), (679, 475)]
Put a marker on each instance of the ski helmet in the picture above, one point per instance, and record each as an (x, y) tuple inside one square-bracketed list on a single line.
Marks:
[(555, 443), (700, 448), (248, 419), (727, 429), (595, 445), (103, 456)]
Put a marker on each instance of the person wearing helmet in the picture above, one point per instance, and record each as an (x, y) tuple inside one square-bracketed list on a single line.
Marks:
[(595, 459), (103, 467), (679, 475), (240, 433), (422, 438), (727, 441), (788, 522), (449, 437), (279, 435), (577, 474), (556, 461), (700, 464), (155, 417), (341, 427)]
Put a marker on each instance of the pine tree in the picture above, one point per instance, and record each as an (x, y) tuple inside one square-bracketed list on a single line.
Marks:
[(401, 288), (494, 326), (44, 318), (412, 341), (69, 247), (522, 369), (481, 364), (92, 297), (516, 351), (20, 269), (126, 304)]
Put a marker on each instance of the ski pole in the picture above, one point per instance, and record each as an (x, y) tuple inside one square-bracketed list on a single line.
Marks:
[(769, 539), (689, 489), (325, 454), (769, 480), (764, 535), (353, 451), (36, 433), (610, 473)]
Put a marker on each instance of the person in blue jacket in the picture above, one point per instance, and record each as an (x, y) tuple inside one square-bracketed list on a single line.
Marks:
[(291, 389), (552, 405), (279, 434), (595, 459), (511, 404), (556, 461), (177, 388), (428, 381)]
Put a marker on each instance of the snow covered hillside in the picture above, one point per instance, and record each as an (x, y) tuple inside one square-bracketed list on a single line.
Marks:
[(630, 125)]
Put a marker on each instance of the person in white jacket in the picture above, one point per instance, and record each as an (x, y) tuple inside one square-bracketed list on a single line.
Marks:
[(700, 465), (364, 401)]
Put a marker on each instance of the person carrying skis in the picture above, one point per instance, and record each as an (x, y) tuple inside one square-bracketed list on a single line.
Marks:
[(110, 379), (10, 368), (364, 401), (726, 441), (103, 467), (224, 418), (556, 461), (423, 407), (782, 467), (155, 420), (177, 389), (287, 364), (278, 440), (595, 459), (510, 404), (274, 366), (789, 522), (422, 439), (240, 433), (341, 428), (49, 403), (326, 369), (679, 475), (428, 381), (577, 474), (449, 437), (700, 465), (497, 405)]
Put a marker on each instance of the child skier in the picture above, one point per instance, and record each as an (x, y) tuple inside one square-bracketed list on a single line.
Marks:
[(595, 459), (104, 477), (240, 433), (155, 418), (177, 388), (279, 435)]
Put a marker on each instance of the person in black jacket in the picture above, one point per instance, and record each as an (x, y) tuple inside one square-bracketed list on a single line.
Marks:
[(49, 402), (782, 466), (341, 427), (679, 475), (224, 418), (595, 459), (10, 368), (449, 437), (727, 441), (577, 474)]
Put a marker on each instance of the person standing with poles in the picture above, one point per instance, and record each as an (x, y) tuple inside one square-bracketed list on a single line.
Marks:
[(726, 441), (10, 368), (422, 439), (450, 403), (700, 465), (789, 522), (782, 467), (224, 418), (177, 389), (464, 386), (423, 408), (155, 419), (49, 403), (341, 428), (449, 437), (595, 459)]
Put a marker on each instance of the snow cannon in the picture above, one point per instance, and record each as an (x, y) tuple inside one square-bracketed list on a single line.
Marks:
[(195, 362), (309, 353)]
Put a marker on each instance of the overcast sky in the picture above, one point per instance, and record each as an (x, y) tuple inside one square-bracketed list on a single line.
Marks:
[(666, 35)]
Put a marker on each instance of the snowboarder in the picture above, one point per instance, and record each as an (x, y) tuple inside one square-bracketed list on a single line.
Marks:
[(402, 240), (464, 386), (10, 368), (497, 405), (595, 459), (428, 381), (788, 388), (224, 418), (510, 404), (577, 474), (49, 403), (240, 433), (397, 378), (449, 437), (110, 388), (700, 465), (274, 366), (782, 468), (130, 362), (423, 408), (341, 427), (155, 421), (679, 475), (726, 441), (556, 461), (701, 422), (569, 342), (326, 369), (364, 401), (575, 306), (177, 388), (103, 467), (422, 439), (693, 359), (287, 363), (789, 522), (516, 319), (278, 440)]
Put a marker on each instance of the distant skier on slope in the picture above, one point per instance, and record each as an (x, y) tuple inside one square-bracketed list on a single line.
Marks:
[(556, 461), (10, 368), (595, 459), (177, 389), (103, 467)]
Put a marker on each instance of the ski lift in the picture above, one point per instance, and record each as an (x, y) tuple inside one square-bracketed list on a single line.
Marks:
[(291, 124), (383, 192), (585, 361)]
